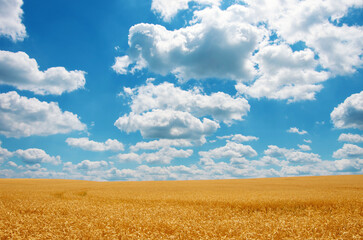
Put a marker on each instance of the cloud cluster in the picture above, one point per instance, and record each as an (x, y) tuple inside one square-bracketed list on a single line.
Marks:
[(169, 124), (220, 106), (349, 114), (23, 117), (21, 71), (85, 165), (252, 43), (164, 156), (292, 155), (10, 19), (89, 145), (35, 156), (233, 151)]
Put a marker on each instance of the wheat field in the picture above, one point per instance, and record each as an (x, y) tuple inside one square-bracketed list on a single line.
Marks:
[(271, 208)]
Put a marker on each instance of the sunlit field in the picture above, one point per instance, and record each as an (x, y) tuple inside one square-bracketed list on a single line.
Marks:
[(275, 208)]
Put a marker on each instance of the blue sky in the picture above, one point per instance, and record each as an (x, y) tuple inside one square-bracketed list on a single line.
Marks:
[(165, 90)]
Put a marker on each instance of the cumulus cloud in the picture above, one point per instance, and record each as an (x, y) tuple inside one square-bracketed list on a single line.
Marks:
[(35, 155), (21, 71), (11, 19), (169, 124), (349, 114), (4, 154), (220, 106), (284, 74), (163, 156), (349, 151), (339, 47), (348, 137), (89, 145), (230, 150), (296, 130), (216, 45), (168, 9), (239, 138), (23, 117), (291, 155), (252, 43)]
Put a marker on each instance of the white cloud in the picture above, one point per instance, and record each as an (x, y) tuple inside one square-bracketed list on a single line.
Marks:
[(168, 9), (230, 150), (292, 155), (10, 19), (4, 154), (220, 106), (12, 164), (163, 156), (217, 45), (304, 147), (21, 71), (252, 44), (23, 117), (157, 144), (348, 137), (339, 48), (349, 151), (168, 124), (239, 138), (35, 155), (89, 145), (349, 114), (284, 74), (307, 141), (296, 130)]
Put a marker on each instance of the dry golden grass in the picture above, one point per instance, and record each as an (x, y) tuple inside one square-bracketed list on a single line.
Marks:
[(279, 208)]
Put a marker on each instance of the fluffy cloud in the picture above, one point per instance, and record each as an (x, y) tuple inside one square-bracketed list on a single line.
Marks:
[(292, 155), (348, 137), (23, 117), (239, 138), (216, 45), (21, 71), (220, 106), (35, 155), (10, 19), (349, 151), (230, 150), (4, 154), (338, 47), (168, 9), (252, 43), (163, 156), (284, 74), (89, 145), (349, 114), (296, 130), (168, 124)]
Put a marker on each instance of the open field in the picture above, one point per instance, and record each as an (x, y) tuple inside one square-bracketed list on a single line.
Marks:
[(275, 208)]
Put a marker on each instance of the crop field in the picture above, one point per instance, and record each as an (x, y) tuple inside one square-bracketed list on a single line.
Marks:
[(272, 208)]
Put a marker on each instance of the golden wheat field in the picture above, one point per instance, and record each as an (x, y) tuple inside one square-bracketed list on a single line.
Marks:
[(272, 208)]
